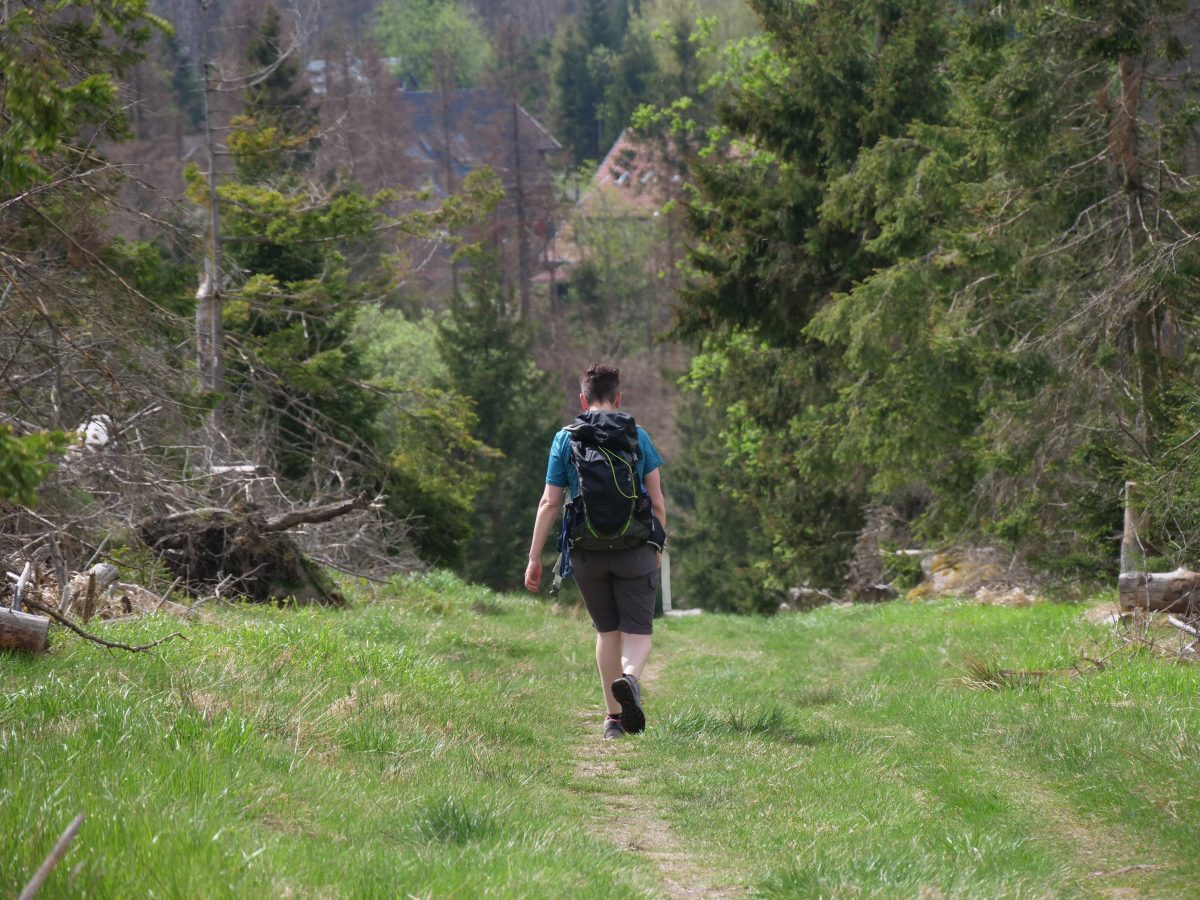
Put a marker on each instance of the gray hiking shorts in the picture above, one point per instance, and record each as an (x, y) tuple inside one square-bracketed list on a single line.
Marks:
[(619, 587)]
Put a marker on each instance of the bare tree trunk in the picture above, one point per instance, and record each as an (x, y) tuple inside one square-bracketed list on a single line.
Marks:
[(523, 274), (1125, 138), (1133, 559), (443, 75), (209, 326), (508, 51), (208, 306)]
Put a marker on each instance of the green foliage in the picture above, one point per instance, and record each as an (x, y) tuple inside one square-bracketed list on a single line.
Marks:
[(57, 67), (399, 347), (617, 294), (186, 82), (486, 351), (171, 283), (434, 477), (768, 261), (425, 430), (1168, 487), (25, 463), (715, 536), (605, 68), (327, 383), (440, 43), (903, 274), (277, 130), (901, 570), (577, 98)]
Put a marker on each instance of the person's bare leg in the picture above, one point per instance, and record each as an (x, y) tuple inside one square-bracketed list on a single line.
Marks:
[(635, 650), (608, 661)]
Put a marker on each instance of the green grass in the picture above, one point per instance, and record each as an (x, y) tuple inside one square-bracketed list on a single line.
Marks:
[(436, 743)]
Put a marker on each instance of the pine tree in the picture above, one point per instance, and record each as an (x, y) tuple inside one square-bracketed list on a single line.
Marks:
[(294, 309), (278, 106), (577, 97), (486, 348), (605, 69)]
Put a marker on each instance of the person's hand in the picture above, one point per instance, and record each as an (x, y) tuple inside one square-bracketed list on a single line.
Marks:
[(658, 558), (533, 575)]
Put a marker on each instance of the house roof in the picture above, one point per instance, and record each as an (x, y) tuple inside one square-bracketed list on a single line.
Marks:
[(636, 179), (637, 176)]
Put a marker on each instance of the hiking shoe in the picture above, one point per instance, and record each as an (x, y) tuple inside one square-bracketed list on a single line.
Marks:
[(626, 691), (613, 728)]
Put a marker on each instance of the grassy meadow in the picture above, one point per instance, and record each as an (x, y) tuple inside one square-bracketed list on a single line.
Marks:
[(437, 740)]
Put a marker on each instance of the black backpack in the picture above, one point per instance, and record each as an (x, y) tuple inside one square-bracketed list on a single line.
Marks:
[(612, 511)]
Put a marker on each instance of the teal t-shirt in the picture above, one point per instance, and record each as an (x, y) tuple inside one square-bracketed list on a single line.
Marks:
[(560, 472)]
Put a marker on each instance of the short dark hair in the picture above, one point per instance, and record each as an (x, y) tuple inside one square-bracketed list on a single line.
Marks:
[(600, 383)]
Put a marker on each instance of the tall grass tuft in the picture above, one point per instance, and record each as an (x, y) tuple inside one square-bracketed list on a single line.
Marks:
[(451, 820)]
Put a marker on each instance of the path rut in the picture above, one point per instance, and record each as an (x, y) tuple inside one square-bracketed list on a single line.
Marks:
[(633, 822)]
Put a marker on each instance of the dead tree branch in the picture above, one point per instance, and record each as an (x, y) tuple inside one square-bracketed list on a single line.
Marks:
[(111, 645), (57, 853)]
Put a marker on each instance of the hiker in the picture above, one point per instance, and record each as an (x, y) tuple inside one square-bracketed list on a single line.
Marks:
[(613, 533)]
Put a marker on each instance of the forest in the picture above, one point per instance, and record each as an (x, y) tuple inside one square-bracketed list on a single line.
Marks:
[(878, 274)]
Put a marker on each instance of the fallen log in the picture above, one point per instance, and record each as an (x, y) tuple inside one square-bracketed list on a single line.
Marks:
[(21, 631), (1176, 591)]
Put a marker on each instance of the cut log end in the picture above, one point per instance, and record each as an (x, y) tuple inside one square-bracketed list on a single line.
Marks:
[(1176, 591), (21, 631)]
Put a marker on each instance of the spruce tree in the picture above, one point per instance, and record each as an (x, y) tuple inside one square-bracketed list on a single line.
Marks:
[(833, 80), (278, 102), (577, 97), (486, 348), (951, 273)]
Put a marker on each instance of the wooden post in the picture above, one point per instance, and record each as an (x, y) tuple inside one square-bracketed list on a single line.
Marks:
[(89, 600), (19, 589), (21, 631), (1132, 557)]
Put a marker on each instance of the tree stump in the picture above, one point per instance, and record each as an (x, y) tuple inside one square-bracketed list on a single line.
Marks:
[(245, 552)]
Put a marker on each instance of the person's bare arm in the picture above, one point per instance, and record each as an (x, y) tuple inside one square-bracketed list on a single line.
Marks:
[(547, 511), (653, 484)]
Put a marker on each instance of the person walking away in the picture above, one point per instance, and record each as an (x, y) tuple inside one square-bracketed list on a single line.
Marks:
[(614, 530)]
